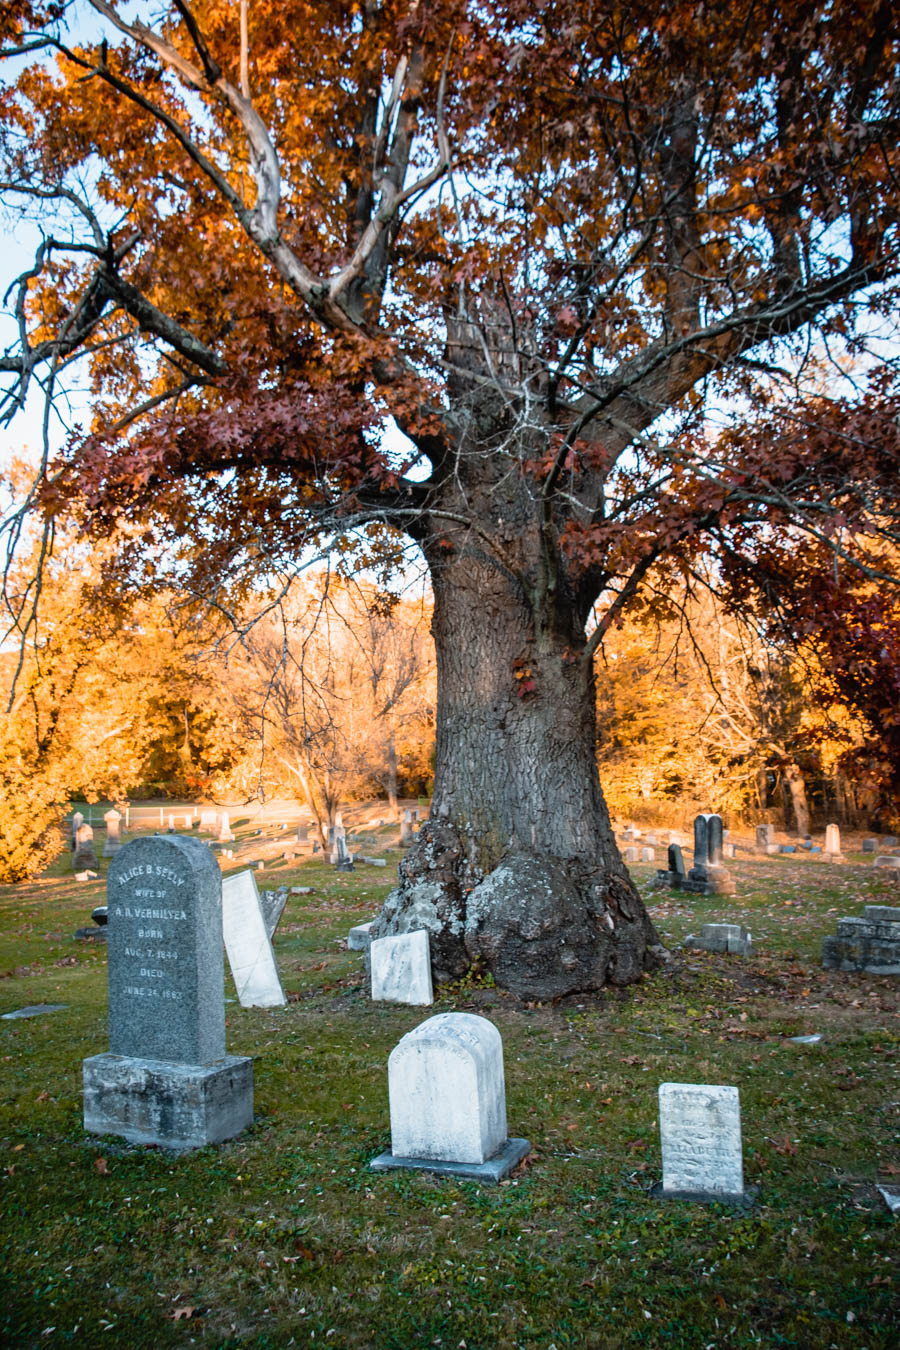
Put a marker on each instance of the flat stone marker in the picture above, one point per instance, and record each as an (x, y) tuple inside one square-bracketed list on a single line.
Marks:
[(33, 1010), (448, 1101), (358, 938), (248, 945), (887, 860), (401, 969), (167, 1079), (700, 1136), (722, 937)]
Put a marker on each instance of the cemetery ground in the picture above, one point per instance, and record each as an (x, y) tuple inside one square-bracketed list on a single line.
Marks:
[(284, 1237)]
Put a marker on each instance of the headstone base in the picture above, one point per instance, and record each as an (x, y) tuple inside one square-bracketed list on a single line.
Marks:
[(743, 1200), (180, 1106), (494, 1170), (711, 881), (870, 943)]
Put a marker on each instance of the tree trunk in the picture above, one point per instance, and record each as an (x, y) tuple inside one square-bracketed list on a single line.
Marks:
[(517, 868), (796, 786)]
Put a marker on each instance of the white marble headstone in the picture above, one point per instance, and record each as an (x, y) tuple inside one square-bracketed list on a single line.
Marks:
[(446, 1088), (700, 1135), (248, 945), (401, 968)]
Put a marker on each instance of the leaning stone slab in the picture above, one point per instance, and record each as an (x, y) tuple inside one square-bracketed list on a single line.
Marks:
[(247, 942), (448, 1101), (167, 1079), (33, 1010), (358, 938), (700, 1135), (401, 969)]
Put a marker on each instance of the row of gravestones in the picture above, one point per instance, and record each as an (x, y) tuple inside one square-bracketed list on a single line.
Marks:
[(168, 1081)]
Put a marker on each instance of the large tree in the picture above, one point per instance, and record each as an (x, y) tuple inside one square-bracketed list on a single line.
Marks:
[(544, 236)]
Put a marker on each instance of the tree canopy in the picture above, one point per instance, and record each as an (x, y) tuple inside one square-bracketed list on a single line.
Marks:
[(594, 259)]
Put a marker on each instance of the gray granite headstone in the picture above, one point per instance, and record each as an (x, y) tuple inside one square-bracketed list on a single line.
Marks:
[(77, 822), (166, 1079), (869, 845), (166, 964), (708, 876)]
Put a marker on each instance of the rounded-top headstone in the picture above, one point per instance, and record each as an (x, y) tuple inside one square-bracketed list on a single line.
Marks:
[(446, 1088), (166, 961)]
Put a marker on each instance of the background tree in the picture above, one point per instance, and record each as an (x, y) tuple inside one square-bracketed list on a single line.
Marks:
[(545, 238), (333, 692)]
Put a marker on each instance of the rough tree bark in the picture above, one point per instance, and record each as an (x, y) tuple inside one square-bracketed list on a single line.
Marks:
[(517, 868)]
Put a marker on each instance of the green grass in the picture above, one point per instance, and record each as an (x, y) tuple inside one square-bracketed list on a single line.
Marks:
[(283, 1237)]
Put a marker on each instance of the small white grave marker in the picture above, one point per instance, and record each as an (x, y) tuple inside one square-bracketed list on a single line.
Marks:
[(700, 1135), (401, 968), (448, 1100), (248, 945)]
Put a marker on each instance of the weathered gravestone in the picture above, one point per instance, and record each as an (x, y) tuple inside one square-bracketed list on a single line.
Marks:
[(341, 856), (870, 846), (871, 943), (400, 969), (302, 834), (674, 874), (708, 876), (765, 839), (448, 1101), (272, 904), (248, 944), (722, 937), (166, 1079), (833, 844), (77, 822), (85, 857), (700, 1138), (889, 841), (406, 833), (113, 833), (225, 835), (632, 854), (209, 819), (358, 938), (887, 860)]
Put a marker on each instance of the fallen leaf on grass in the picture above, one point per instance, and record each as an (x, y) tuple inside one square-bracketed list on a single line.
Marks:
[(43, 1097), (184, 1314), (100, 1167), (18, 1148), (785, 1145)]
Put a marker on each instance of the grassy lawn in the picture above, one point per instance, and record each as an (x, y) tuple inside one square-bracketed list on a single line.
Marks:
[(283, 1237)]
